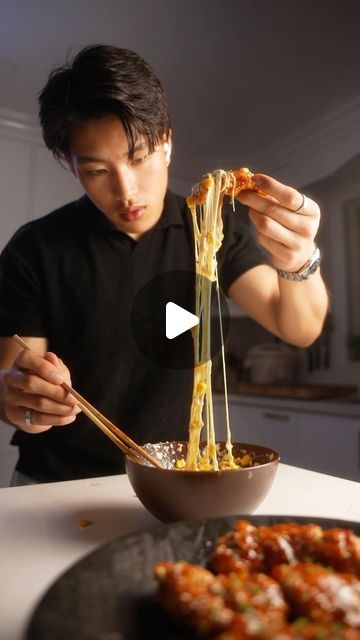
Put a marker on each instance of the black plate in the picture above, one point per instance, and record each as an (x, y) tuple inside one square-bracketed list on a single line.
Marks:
[(109, 594)]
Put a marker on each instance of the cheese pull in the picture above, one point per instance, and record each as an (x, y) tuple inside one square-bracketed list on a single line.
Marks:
[(205, 204)]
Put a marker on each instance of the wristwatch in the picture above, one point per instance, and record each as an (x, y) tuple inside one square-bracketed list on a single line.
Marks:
[(306, 270)]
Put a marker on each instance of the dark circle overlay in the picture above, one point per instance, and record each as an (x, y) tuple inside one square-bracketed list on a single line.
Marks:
[(148, 319)]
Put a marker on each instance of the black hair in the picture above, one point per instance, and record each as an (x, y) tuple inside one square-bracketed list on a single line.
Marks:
[(103, 80)]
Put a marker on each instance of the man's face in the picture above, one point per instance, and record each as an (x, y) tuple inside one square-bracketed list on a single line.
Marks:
[(129, 192)]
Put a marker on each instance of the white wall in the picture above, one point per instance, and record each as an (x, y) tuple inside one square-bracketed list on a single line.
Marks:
[(32, 183)]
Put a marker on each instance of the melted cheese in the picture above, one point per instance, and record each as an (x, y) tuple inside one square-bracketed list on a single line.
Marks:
[(205, 203)]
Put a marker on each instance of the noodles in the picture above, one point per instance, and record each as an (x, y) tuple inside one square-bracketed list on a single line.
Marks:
[(205, 203)]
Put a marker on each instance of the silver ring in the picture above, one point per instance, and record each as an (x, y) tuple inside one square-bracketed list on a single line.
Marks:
[(302, 203), (28, 420)]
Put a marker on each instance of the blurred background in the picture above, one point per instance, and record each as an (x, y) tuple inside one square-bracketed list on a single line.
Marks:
[(273, 85)]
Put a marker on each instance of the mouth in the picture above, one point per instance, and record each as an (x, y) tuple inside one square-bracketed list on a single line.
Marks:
[(132, 213)]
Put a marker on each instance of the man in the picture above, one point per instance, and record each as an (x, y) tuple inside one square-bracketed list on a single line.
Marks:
[(68, 280)]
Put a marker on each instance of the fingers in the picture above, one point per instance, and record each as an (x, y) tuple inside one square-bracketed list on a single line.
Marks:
[(34, 383), (288, 235), (60, 366), (272, 218), (40, 421), (30, 361), (288, 197), (277, 226), (31, 383), (283, 256), (289, 250), (299, 221), (39, 403)]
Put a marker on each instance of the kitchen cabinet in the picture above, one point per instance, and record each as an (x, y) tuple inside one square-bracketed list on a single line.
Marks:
[(329, 444), (312, 440)]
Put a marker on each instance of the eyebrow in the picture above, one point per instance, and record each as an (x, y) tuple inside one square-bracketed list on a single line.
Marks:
[(83, 159)]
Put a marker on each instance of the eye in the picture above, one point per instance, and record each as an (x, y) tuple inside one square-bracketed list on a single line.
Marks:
[(95, 172), (141, 159)]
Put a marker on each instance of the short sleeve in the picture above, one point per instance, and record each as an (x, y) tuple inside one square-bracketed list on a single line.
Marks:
[(21, 299), (239, 251)]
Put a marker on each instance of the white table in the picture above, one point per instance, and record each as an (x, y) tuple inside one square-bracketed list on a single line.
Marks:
[(41, 536)]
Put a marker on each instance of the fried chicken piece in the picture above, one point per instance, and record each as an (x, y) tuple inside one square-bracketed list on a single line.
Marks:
[(238, 550), (264, 616), (289, 542), (193, 597), (232, 182), (261, 548), (254, 592), (258, 603), (320, 594), (209, 604), (340, 549)]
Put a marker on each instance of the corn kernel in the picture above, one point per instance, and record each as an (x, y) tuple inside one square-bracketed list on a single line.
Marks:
[(201, 388)]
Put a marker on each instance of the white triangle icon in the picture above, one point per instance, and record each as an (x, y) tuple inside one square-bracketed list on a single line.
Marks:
[(178, 320)]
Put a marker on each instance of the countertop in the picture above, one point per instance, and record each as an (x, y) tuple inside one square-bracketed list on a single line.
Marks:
[(333, 406), (41, 535)]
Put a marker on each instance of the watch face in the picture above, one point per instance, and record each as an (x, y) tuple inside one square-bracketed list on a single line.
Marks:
[(312, 264), (311, 268)]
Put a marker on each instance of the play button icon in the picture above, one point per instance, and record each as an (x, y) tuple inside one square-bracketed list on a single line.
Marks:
[(178, 320), (163, 311)]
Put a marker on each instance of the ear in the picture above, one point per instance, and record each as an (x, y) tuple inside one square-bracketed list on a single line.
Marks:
[(167, 149)]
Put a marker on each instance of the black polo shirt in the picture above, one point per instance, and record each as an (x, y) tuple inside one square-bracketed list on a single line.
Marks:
[(71, 276)]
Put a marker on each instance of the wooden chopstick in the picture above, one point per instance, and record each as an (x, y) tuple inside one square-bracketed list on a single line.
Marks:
[(124, 442)]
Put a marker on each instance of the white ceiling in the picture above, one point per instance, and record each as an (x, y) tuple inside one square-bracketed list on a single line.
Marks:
[(241, 75)]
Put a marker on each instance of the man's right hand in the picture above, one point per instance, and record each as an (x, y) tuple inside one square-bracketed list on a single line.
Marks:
[(33, 398)]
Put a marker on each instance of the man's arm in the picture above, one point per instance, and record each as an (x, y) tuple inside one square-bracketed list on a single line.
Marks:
[(293, 310), (32, 380)]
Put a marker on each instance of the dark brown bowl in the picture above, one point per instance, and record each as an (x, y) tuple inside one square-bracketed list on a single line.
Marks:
[(171, 494)]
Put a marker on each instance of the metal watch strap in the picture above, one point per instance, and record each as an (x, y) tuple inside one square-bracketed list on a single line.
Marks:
[(305, 271)]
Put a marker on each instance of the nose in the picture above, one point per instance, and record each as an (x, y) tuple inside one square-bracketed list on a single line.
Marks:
[(124, 185)]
